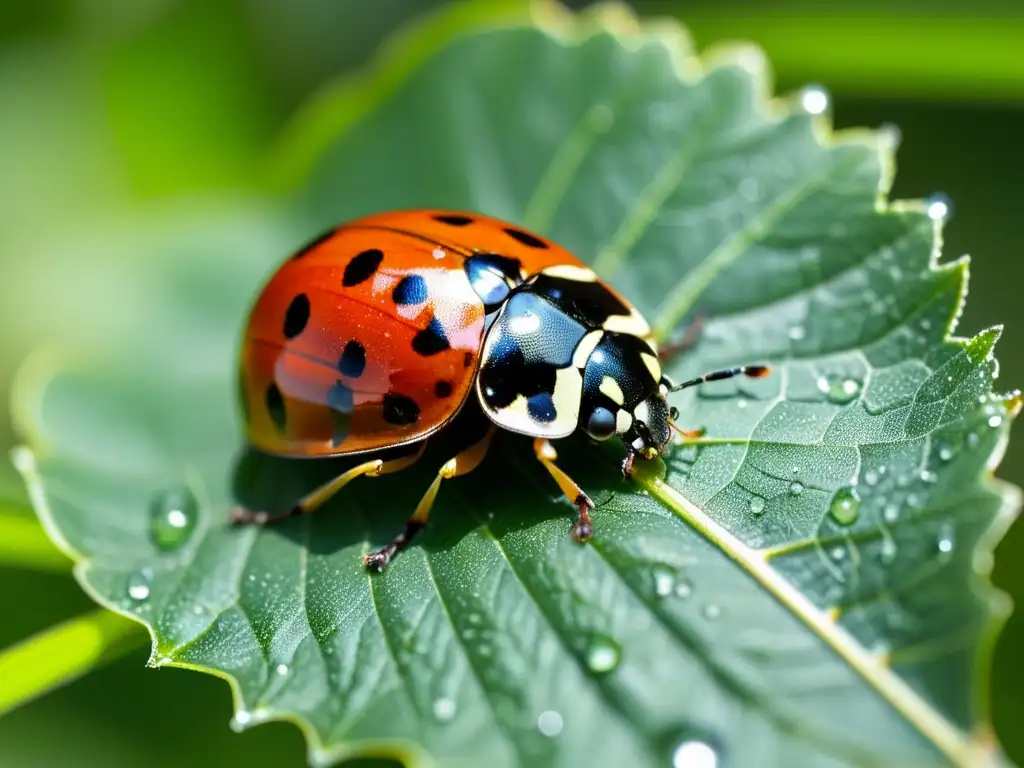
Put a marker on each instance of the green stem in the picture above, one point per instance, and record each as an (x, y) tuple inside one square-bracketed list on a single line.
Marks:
[(63, 653), (24, 544)]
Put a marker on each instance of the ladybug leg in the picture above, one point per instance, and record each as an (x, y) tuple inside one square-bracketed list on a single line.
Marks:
[(464, 462), (314, 499), (689, 339), (546, 455)]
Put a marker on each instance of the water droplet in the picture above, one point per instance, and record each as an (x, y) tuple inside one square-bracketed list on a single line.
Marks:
[(888, 550), (913, 500), (694, 754), (474, 618), (814, 99), (757, 505), (741, 403), (282, 669), (928, 476), (995, 421), (845, 506), (796, 488), (797, 332), (684, 589), (603, 655), (939, 207), (972, 439), (946, 541), (839, 390), (664, 581), (712, 611), (891, 513), (796, 470), (138, 584), (871, 477), (946, 453), (837, 552), (550, 723), (172, 518), (444, 709), (241, 719)]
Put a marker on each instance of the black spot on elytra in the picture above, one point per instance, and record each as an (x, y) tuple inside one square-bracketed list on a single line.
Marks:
[(411, 289), (431, 340), (467, 360), (340, 398), (314, 243), (400, 410), (362, 267), (443, 389), (353, 360), (275, 405), (526, 238), (454, 220), (541, 407), (296, 317)]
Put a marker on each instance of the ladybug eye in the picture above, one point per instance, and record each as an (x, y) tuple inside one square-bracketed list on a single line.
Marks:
[(673, 413), (601, 424)]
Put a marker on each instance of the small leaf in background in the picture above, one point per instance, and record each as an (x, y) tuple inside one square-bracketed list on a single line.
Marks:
[(803, 587)]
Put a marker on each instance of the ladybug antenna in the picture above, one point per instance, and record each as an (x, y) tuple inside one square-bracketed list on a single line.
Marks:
[(753, 371)]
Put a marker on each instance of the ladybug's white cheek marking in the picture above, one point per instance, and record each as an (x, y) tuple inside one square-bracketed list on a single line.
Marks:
[(641, 412), (623, 421), (611, 388), (585, 348)]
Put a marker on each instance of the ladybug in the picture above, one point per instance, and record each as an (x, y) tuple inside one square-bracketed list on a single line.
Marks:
[(373, 339)]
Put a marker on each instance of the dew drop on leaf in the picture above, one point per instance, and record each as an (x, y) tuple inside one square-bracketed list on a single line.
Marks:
[(814, 100), (138, 584), (837, 553), (946, 453), (550, 723), (757, 505), (603, 655), (684, 589), (891, 513), (839, 390), (946, 542), (939, 207), (172, 519), (995, 421), (694, 754), (871, 477), (664, 581), (712, 611), (845, 506), (888, 551), (282, 669), (444, 709), (797, 332), (796, 488)]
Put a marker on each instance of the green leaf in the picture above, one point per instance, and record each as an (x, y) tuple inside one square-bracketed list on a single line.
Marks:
[(806, 585)]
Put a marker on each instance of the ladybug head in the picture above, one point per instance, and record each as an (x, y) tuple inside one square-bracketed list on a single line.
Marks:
[(623, 395)]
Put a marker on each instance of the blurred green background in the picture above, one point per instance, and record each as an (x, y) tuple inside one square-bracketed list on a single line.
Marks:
[(111, 110)]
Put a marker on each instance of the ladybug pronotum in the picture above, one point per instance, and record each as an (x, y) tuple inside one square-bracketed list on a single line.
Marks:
[(377, 335)]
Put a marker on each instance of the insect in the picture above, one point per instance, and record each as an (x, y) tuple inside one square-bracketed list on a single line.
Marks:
[(394, 329)]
